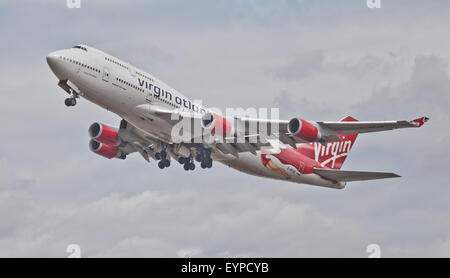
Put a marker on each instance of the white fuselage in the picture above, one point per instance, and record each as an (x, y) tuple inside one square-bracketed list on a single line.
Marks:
[(119, 87)]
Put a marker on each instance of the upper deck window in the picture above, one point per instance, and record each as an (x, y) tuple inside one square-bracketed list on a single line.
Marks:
[(80, 47)]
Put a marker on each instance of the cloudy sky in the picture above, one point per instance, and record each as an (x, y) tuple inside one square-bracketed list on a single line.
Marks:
[(320, 60)]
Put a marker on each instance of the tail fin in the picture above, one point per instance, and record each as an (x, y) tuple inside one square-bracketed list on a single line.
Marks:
[(330, 154)]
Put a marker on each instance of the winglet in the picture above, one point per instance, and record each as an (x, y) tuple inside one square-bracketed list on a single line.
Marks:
[(420, 121)]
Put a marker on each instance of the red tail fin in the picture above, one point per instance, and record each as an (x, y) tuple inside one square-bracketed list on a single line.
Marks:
[(330, 154)]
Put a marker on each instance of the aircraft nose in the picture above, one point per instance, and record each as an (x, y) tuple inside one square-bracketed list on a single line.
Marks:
[(51, 59), (57, 67)]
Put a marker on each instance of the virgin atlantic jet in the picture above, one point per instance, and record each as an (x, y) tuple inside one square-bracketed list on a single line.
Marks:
[(295, 150)]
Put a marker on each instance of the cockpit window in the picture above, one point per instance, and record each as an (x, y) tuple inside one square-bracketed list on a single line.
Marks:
[(80, 47)]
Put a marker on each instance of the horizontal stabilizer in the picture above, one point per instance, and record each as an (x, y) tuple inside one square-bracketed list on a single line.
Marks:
[(340, 175)]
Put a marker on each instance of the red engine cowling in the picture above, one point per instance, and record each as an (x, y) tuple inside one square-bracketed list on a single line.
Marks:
[(105, 150), (104, 134), (218, 124), (304, 130)]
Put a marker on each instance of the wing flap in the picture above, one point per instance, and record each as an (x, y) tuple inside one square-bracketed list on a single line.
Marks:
[(342, 175)]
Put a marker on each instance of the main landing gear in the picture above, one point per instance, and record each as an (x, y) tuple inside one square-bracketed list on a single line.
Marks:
[(163, 161), (203, 156), (72, 100), (188, 163), (200, 154)]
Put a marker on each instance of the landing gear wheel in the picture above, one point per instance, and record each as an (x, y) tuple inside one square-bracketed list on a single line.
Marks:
[(191, 166), (161, 164), (67, 102), (209, 163), (157, 156), (203, 164), (186, 166), (182, 160), (70, 101), (166, 163)]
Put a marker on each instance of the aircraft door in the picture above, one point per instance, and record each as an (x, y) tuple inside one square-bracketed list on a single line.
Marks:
[(105, 75), (132, 70), (149, 97)]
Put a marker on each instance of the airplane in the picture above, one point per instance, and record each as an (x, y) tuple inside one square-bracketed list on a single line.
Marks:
[(295, 150)]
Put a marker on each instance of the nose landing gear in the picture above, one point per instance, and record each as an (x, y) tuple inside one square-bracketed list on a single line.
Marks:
[(72, 100)]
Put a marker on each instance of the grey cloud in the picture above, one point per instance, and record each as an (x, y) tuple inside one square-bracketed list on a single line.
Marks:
[(427, 91), (293, 107), (161, 224), (303, 66), (417, 201)]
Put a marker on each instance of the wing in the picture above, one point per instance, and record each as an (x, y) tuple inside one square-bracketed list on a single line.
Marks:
[(251, 135), (298, 131), (341, 175)]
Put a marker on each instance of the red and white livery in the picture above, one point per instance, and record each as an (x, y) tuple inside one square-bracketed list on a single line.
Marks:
[(296, 150)]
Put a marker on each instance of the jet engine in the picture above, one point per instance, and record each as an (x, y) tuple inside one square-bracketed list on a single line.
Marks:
[(217, 124), (105, 150), (104, 134), (304, 130)]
